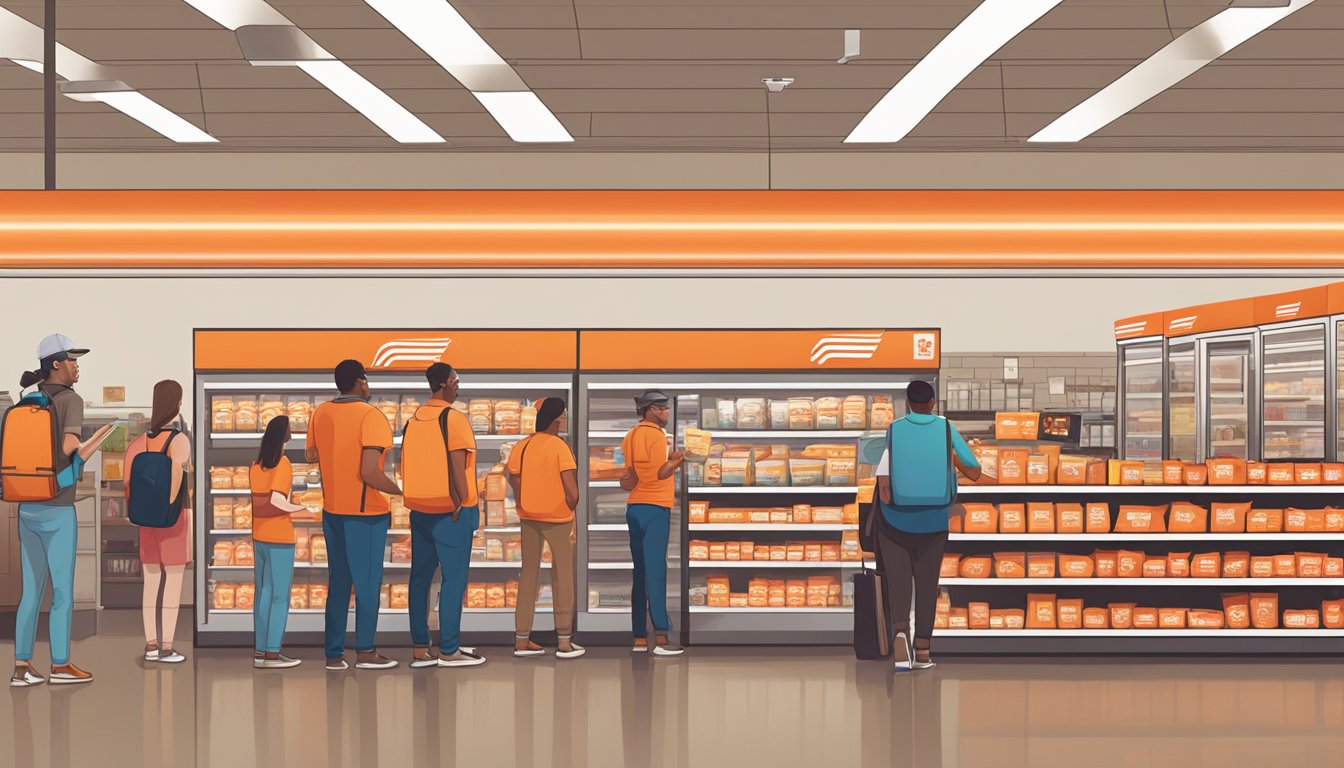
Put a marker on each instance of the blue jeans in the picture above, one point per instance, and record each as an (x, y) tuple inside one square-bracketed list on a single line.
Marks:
[(438, 542), (48, 538), (355, 545), (649, 527), (270, 607)]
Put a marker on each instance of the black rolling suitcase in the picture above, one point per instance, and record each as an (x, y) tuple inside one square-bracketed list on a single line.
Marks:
[(872, 625)]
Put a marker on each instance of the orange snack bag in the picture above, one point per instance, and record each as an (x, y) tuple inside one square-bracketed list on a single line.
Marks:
[(1206, 566), (1308, 619), (1040, 517), (1188, 518), (1332, 474), (1178, 565), (1171, 618), (1227, 471), (1195, 474), (1236, 565), (1096, 473), (1145, 618), (1069, 518), (1137, 519), (1106, 564), (1040, 565), (1173, 472), (1041, 612), (955, 523), (1295, 520), (1334, 567), (1010, 565), (1310, 565), (1098, 517), (1076, 566), (1038, 469), (998, 618), (1237, 608), (1014, 618), (1201, 619), (1155, 568), (1307, 474), (981, 518), (1316, 520), (1129, 565), (1069, 613), (977, 615), (1228, 517), (1332, 614), (1265, 610), (958, 618), (1013, 466), (1072, 470), (976, 567), (1262, 567), (1281, 474), (1334, 520), (1096, 618), (1012, 518), (1257, 473), (949, 567), (1131, 473), (1265, 521), (1122, 615)]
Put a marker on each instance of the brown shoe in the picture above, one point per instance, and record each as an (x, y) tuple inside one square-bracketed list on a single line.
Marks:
[(67, 674), (24, 676), (374, 660), (641, 645)]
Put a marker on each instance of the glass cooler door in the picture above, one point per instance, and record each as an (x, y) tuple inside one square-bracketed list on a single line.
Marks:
[(1293, 391), (1227, 392), (1181, 422), (1141, 400)]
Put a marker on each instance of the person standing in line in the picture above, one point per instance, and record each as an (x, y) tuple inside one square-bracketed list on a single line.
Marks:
[(648, 513), (349, 439), (544, 477), (49, 530), (272, 481), (917, 485), (164, 552), (438, 468)]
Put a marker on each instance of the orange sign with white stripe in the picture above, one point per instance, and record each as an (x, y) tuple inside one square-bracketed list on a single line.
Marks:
[(1293, 305), (1205, 318), (1139, 326), (785, 350), (393, 350)]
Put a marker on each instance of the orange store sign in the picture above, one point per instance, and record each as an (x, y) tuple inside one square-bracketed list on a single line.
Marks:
[(282, 350), (786, 350)]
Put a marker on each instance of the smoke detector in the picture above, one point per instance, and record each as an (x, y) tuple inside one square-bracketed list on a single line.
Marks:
[(777, 84)]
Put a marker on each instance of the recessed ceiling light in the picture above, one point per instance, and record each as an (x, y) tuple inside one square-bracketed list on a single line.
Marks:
[(987, 29), (1181, 58)]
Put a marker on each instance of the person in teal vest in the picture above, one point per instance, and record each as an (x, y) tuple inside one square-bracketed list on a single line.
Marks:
[(917, 485)]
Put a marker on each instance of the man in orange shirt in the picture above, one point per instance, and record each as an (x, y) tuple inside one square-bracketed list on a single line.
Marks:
[(648, 513), (545, 483), (348, 438)]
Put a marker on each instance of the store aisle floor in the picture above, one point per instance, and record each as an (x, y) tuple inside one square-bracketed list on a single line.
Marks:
[(716, 706)]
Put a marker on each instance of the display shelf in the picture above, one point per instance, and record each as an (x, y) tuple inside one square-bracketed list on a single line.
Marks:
[(1296, 398), (1144, 582), (1242, 537), (708, 609), (612, 566), (762, 386), (780, 527), (609, 609), (397, 566), (1319, 424), (608, 527), (777, 490), (607, 434), (384, 611), (1339, 633), (801, 434), (832, 564), (1172, 490), (604, 483)]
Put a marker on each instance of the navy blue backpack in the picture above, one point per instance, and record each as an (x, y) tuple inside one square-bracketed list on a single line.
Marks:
[(151, 486)]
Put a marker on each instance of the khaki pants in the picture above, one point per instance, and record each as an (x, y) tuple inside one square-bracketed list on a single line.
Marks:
[(562, 574)]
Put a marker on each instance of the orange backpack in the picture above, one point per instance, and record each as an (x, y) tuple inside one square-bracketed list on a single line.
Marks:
[(28, 450), (425, 467)]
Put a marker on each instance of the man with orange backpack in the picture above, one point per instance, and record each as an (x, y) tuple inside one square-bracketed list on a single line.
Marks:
[(41, 455)]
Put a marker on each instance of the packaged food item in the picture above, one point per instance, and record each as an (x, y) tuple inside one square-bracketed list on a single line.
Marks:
[(1041, 612), (1040, 517), (1069, 518), (807, 472), (976, 567), (1038, 469), (1122, 615), (948, 569), (508, 417), (988, 457), (399, 597), (1265, 610), (1332, 614), (1040, 565), (1334, 520), (1236, 565), (1010, 565), (481, 415), (1308, 619), (242, 514), (1188, 518), (698, 442), (1140, 519), (1131, 473), (1228, 517), (1107, 564), (317, 596), (980, 518), (1145, 617), (882, 412), (1310, 565), (1155, 568), (223, 596), (221, 478), (1072, 470), (958, 618), (977, 615), (222, 513), (318, 545), (529, 422), (1196, 474), (801, 514), (1098, 517), (1332, 474), (1012, 466), (268, 408), (827, 412), (737, 472), (1096, 473), (1257, 473), (244, 414), (1334, 567), (1096, 618), (1315, 520), (1207, 565), (1016, 425), (1129, 564), (828, 515), (840, 472), (1226, 471), (1178, 565), (1307, 474), (1265, 521), (849, 546), (1202, 619), (243, 553), (752, 413), (1171, 618), (1173, 472), (223, 553), (1076, 566), (1012, 518), (802, 413), (241, 480), (221, 413), (1262, 567), (495, 596), (854, 412), (1281, 474), (1237, 609), (698, 511), (1069, 613)]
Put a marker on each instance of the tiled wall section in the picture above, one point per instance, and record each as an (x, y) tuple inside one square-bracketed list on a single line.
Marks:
[(1082, 371)]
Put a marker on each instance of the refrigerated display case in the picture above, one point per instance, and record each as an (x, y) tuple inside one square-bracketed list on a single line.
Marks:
[(243, 378), (1227, 366), (1142, 374), (1294, 389), (1212, 376), (119, 573), (1182, 417), (765, 531)]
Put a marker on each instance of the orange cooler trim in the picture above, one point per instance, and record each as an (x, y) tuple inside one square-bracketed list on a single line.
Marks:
[(1205, 318), (1139, 326), (789, 350), (1293, 305), (282, 350)]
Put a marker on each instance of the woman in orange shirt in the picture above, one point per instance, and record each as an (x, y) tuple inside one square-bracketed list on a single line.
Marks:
[(272, 480)]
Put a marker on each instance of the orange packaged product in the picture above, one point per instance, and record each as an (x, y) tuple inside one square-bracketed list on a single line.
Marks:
[(1122, 615), (1237, 609), (1206, 566), (1096, 618), (1310, 565), (1069, 613), (1041, 612), (1281, 474), (698, 512), (1131, 473), (980, 518), (1017, 425), (1012, 518), (1069, 518), (1128, 564), (1195, 474), (1333, 568), (1332, 474), (776, 594), (1010, 565), (1171, 618), (959, 618), (1307, 474), (977, 615), (1201, 619), (1262, 567), (1038, 469), (1188, 518), (956, 523), (1014, 618), (243, 553), (988, 456), (948, 569), (1285, 566), (1040, 517), (1334, 520), (1098, 517), (1257, 473), (1265, 610), (1012, 466), (1265, 521), (1076, 566), (1072, 470), (1308, 619), (1295, 520), (1106, 564), (1227, 471), (1173, 472), (1040, 565), (976, 567), (1178, 565), (801, 514), (1228, 517), (1236, 565), (1096, 473), (1137, 519), (1145, 618), (998, 619), (1332, 614), (1315, 521), (1155, 568)]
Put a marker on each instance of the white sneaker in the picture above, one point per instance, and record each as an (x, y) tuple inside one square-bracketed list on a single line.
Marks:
[(418, 663), (284, 662), (463, 658), (152, 655), (375, 661), (27, 679), (169, 657), (668, 649), (532, 650), (901, 652), (338, 664), (575, 652)]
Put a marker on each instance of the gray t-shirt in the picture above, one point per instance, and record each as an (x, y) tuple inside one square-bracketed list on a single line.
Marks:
[(68, 408)]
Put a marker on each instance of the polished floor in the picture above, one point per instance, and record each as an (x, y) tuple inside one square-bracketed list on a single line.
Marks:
[(747, 708)]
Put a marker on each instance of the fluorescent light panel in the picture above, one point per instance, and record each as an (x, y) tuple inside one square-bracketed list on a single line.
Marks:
[(371, 101), (987, 29), (522, 115), (35, 66), (149, 113), (1181, 58)]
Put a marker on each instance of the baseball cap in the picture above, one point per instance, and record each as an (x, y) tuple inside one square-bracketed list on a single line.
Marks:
[(651, 397), (58, 344)]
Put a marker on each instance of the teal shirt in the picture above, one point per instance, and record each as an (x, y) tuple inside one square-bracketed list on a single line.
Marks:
[(918, 444)]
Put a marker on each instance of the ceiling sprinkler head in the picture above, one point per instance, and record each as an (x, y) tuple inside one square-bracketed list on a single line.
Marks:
[(776, 84)]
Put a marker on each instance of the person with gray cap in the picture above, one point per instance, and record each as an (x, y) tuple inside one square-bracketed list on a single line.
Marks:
[(649, 479), (49, 530)]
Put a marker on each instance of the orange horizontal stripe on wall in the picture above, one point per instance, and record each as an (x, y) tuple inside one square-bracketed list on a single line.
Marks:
[(671, 229)]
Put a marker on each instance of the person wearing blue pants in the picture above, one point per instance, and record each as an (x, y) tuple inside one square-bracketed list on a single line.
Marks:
[(442, 542), (649, 479), (272, 481)]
